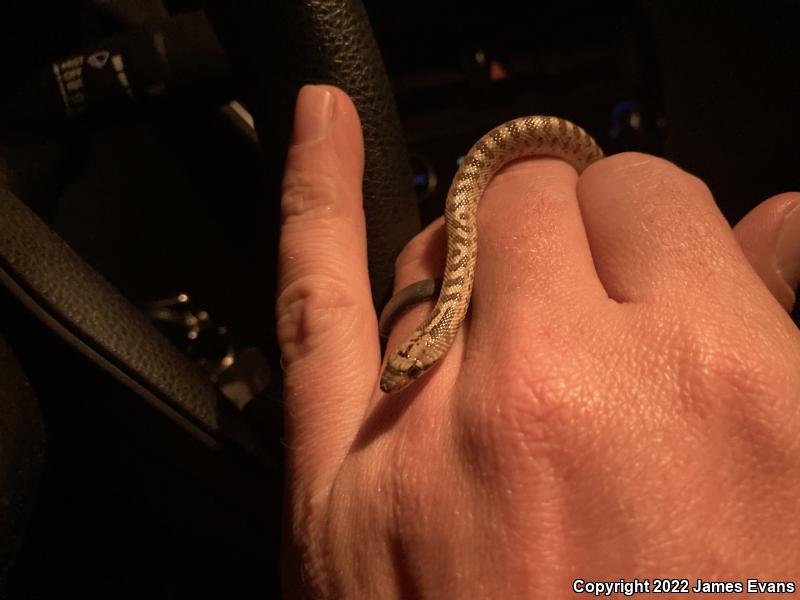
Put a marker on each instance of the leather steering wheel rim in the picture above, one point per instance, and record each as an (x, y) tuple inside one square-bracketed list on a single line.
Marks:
[(326, 41), (319, 41)]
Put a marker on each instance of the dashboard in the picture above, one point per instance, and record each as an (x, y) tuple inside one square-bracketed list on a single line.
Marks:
[(458, 71), (711, 86)]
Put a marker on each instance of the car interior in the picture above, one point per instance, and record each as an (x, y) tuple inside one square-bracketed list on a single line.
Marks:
[(142, 144)]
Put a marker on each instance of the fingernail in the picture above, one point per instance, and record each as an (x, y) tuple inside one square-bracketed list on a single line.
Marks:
[(787, 250), (313, 116)]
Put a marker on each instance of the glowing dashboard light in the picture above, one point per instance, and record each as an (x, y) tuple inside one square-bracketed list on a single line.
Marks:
[(627, 113), (497, 72), (423, 176)]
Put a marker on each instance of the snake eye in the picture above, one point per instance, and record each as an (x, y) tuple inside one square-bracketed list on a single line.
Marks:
[(414, 371)]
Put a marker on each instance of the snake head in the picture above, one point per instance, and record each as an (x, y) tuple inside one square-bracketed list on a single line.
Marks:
[(400, 370)]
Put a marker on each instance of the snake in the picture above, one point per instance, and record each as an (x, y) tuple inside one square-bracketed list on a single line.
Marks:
[(531, 136)]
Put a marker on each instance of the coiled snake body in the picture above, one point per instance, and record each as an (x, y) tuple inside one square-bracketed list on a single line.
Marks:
[(526, 136)]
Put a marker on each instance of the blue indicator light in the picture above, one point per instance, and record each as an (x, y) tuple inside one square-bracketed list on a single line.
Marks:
[(622, 108), (421, 180)]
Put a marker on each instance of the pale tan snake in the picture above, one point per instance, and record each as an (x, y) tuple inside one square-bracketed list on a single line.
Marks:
[(526, 136)]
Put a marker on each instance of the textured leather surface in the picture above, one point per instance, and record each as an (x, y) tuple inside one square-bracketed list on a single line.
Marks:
[(57, 282), (21, 455), (279, 46)]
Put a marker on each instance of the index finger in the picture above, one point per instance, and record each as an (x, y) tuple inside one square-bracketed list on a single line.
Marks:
[(327, 328)]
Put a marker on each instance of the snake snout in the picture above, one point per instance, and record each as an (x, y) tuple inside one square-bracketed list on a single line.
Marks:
[(394, 382), (399, 372)]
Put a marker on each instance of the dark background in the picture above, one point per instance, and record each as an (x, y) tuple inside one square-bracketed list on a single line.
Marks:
[(177, 200)]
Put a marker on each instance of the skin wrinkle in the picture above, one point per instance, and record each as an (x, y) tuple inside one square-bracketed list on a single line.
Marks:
[(720, 357), (330, 271), (329, 262), (311, 195), (303, 306), (538, 401)]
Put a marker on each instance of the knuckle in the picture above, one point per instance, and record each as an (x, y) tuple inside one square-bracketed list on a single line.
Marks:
[(752, 395), (528, 428), (532, 405), (536, 407), (746, 375), (699, 186), (311, 306), (309, 195)]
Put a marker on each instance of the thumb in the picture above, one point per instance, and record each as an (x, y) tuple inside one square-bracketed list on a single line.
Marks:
[(326, 322), (769, 235)]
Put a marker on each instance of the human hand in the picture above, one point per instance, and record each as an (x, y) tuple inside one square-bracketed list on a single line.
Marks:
[(620, 403)]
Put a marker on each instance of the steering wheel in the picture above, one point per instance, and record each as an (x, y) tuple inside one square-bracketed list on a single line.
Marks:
[(158, 424)]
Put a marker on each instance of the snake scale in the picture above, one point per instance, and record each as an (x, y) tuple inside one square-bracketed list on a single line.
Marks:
[(523, 137)]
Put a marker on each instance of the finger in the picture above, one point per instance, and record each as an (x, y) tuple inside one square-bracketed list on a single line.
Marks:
[(532, 246), (656, 232), (326, 322), (533, 251), (422, 258), (529, 224), (769, 236)]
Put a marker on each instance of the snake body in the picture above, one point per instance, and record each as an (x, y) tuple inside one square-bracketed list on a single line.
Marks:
[(526, 136)]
